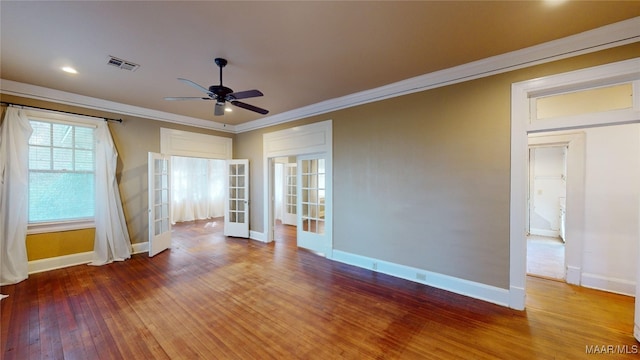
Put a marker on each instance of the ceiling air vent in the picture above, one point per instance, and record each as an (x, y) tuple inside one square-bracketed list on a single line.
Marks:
[(122, 64)]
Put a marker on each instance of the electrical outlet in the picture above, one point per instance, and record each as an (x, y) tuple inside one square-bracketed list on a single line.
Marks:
[(421, 276)]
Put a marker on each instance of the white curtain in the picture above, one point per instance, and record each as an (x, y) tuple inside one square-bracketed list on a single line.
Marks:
[(112, 242), (197, 188), (14, 176)]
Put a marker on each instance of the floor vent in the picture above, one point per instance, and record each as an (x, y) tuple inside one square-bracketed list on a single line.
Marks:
[(122, 64)]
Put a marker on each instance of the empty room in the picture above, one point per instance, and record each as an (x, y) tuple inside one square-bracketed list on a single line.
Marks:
[(319, 180)]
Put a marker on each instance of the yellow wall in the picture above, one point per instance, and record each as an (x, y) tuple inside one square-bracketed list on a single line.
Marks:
[(47, 245)]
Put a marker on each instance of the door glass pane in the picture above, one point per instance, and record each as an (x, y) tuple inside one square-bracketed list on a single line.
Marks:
[(313, 193)]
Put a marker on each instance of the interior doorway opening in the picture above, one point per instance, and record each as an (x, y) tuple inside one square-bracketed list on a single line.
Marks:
[(546, 211), (197, 189), (284, 204)]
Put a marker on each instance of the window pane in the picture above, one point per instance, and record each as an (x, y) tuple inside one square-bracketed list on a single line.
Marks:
[(62, 135), (585, 101), (84, 138), (62, 159), (60, 196), (41, 133), (39, 158)]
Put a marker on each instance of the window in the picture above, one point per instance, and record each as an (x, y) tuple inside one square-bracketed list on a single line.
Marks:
[(593, 100), (61, 172)]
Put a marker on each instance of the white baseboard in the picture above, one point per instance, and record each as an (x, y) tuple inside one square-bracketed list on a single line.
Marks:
[(140, 247), (517, 298), (614, 285), (456, 285), (259, 236), (545, 232), (573, 275), (59, 262)]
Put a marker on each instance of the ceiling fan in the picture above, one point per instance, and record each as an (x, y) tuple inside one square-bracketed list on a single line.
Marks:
[(222, 94)]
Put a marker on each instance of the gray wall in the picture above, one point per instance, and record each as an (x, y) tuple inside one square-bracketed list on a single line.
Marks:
[(423, 180)]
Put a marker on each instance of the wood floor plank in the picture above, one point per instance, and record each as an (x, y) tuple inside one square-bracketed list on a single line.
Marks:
[(214, 297)]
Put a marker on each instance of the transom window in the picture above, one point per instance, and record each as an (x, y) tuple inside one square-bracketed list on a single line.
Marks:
[(61, 172), (584, 101)]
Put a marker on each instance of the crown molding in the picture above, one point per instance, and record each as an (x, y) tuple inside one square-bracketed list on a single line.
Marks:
[(15, 88), (609, 36)]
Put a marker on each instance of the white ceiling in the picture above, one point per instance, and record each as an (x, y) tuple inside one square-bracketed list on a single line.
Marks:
[(297, 53)]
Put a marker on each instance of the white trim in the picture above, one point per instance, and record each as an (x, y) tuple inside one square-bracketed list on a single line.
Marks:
[(521, 126), (449, 283), (574, 274), (142, 247), (192, 144), (15, 88), (258, 236), (544, 232), (314, 138), (59, 262), (605, 37), (41, 228), (575, 143), (610, 284)]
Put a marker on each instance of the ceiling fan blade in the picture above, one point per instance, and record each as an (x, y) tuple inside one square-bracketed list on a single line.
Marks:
[(245, 94), (186, 98), (192, 84), (218, 109), (250, 107)]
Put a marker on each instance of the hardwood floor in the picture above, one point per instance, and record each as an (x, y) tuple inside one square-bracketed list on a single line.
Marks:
[(212, 297), (545, 257)]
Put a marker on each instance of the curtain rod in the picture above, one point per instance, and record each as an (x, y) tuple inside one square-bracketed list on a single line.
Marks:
[(60, 111)]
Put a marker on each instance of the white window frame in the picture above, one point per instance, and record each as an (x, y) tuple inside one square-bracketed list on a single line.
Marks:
[(62, 225)]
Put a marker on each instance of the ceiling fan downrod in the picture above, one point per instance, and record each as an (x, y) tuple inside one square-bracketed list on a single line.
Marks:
[(221, 63)]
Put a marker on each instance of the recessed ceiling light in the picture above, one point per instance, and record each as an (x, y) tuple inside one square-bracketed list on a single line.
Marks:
[(554, 2), (69, 69), (228, 109)]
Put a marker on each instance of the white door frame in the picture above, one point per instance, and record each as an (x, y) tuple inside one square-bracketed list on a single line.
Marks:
[(522, 124), (289, 218), (314, 138)]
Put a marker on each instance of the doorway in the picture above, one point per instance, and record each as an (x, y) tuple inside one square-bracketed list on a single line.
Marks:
[(284, 205), (526, 120), (547, 211), (312, 146)]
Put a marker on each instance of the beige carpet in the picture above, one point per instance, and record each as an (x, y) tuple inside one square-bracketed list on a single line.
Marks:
[(545, 257)]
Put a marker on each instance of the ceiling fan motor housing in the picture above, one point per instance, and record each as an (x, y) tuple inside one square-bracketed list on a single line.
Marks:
[(220, 91)]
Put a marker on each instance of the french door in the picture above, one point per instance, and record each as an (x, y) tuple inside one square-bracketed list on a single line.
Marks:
[(159, 170), (290, 194), (312, 199), (236, 206)]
